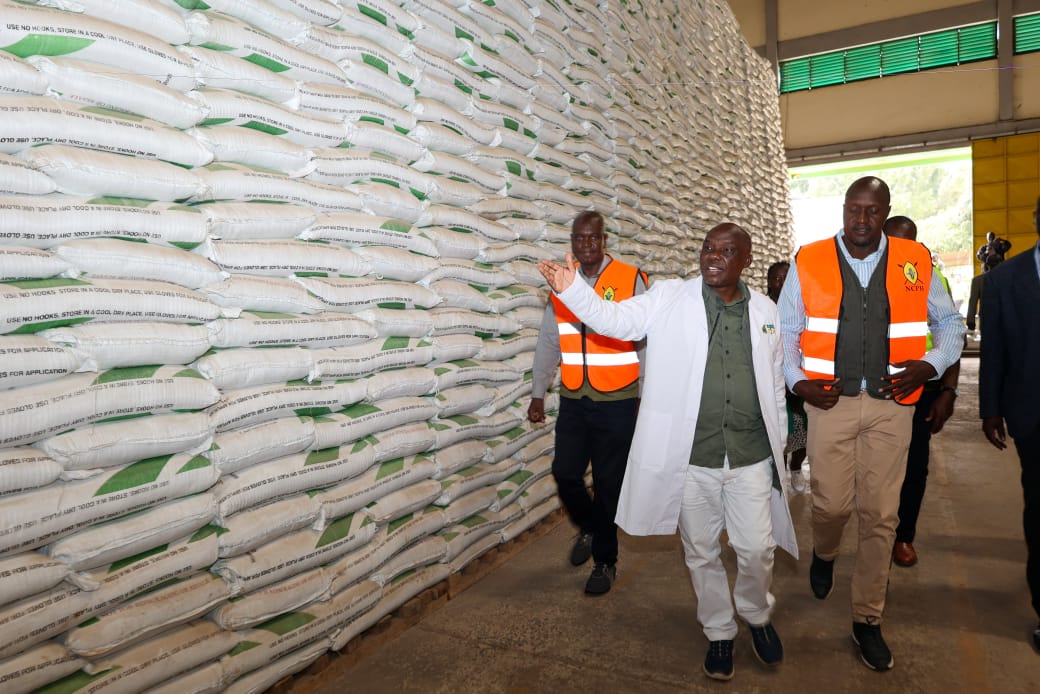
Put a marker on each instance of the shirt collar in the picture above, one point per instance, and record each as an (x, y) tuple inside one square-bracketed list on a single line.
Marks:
[(712, 297), (873, 257)]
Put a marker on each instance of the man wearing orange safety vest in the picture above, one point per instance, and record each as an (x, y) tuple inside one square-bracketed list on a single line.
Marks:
[(854, 315), (598, 403)]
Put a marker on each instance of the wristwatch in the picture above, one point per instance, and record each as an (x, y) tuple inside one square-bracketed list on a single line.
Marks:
[(949, 389)]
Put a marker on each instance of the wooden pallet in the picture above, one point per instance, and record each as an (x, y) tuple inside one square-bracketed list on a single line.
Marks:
[(335, 663)]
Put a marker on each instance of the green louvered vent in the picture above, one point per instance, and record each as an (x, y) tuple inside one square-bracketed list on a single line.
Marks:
[(1027, 33), (912, 54)]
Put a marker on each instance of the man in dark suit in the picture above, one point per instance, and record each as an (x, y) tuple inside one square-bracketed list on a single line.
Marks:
[(1010, 380), (991, 261)]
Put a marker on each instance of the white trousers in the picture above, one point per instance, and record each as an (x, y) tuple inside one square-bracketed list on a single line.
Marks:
[(737, 500)]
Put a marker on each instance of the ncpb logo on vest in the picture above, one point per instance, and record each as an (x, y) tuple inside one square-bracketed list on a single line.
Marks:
[(608, 293), (912, 277)]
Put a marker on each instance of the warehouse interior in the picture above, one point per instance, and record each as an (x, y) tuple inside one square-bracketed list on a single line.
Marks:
[(270, 302)]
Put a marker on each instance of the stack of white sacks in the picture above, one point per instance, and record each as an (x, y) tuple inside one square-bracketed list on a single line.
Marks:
[(269, 298)]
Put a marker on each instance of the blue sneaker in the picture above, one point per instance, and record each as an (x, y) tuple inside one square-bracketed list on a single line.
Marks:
[(718, 664), (766, 643)]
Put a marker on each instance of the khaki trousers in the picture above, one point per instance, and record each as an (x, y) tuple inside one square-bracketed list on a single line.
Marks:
[(857, 452)]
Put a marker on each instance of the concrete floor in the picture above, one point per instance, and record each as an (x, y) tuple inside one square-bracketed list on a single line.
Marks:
[(957, 622)]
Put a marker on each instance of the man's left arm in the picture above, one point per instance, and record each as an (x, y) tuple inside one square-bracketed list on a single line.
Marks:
[(947, 330)]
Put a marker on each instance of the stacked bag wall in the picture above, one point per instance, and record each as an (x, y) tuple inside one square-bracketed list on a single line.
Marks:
[(269, 298)]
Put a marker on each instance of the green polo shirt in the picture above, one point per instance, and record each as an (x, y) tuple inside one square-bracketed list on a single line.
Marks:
[(730, 418)]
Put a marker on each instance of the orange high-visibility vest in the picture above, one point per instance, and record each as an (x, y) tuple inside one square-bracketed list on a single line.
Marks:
[(908, 274), (607, 364)]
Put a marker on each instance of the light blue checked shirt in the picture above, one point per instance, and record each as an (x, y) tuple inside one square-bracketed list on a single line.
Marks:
[(943, 320)]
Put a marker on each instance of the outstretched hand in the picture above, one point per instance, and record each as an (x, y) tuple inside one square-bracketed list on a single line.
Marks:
[(558, 276)]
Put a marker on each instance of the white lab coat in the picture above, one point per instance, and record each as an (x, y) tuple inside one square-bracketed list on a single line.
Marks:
[(671, 315)]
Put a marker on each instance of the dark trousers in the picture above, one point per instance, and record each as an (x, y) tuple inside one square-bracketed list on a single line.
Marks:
[(600, 433), (1029, 453), (916, 479)]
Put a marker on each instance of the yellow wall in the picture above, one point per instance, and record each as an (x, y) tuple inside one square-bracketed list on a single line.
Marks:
[(1006, 183), (800, 18), (1027, 85), (897, 105)]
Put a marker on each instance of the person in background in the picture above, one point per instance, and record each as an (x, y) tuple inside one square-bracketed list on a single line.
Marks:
[(931, 411), (975, 295), (598, 403), (994, 244), (1009, 380), (710, 434), (797, 424), (854, 315)]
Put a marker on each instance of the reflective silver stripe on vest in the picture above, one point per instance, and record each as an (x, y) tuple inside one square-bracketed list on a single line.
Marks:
[(821, 325), (619, 359), (820, 366), (911, 329)]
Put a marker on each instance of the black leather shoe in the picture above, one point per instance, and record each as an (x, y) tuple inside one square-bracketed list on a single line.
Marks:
[(1036, 638), (582, 549), (600, 580), (821, 576)]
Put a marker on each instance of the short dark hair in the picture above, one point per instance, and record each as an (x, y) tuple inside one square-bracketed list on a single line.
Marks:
[(776, 266), (589, 217), (898, 219)]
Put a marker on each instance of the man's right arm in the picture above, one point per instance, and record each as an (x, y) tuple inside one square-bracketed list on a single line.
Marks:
[(792, 323), (991, 364), (546, 359)]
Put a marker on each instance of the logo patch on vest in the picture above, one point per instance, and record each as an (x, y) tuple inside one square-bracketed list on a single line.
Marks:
[(608, 293), (912, 277)]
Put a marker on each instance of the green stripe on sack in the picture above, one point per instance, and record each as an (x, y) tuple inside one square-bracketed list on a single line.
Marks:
[(370, 12), (46, 283), (128, 373), (267, 63), (463, 419), (394, 225), (286, 623), (395, 343), (46, 44), (338, 530), (360, 410), (390, 304), (390, 467), (375, 62), (196, 463), (123, 563), (405, 79), (215, 121), (264, 128), (74, 682), (323, 456), (134, 475), (30, 328), (242, 647)]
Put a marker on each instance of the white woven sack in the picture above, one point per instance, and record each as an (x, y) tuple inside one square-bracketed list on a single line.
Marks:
[(257, 148), (242, 368), (46, 221), (352, 295), (354, 230), (115, 88), (258, 443), (77, 171), (118, 259), (269, 294), (110, 345), (347, 104), (255, 329), (221, 70), (109, 444), (21, 178)]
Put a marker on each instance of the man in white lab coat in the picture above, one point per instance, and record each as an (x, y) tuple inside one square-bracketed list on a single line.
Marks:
[(710, 432)]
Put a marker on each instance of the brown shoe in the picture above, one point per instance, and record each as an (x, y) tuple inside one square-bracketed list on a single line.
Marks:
[(903, 554)]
